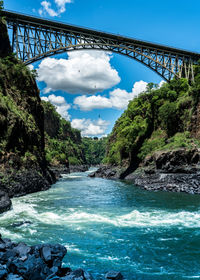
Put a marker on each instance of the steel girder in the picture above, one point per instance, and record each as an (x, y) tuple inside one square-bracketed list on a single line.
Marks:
[(34, 39)]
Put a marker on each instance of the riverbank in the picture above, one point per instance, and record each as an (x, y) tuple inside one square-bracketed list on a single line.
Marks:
[(16, 183), (173, 171)]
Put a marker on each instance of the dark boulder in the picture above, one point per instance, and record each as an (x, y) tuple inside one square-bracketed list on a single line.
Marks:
[(14, 277), (19, 261), (46, 253), (22, 249), (3, 271), (21, 223), (8, 256), (107, 172), (5, 202), (2, 247), (114, 275), (33, 268), (41, 262), (78, 274)]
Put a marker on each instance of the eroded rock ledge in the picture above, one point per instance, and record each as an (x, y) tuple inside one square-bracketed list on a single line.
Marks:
[(176, 171)]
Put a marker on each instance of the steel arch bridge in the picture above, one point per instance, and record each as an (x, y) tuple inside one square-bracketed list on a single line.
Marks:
[(34, 38)]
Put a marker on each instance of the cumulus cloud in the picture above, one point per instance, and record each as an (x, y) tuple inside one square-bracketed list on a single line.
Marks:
[(61, 5), (31, 67), (92, 102), (161, 84), (84, 72), (60, 103), (46, 7), (117, 99), (90, 127)]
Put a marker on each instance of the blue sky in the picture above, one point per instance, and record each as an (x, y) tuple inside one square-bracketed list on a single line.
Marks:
[(174, 23)]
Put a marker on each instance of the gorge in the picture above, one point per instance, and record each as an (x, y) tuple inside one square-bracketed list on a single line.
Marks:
[(144, 223)]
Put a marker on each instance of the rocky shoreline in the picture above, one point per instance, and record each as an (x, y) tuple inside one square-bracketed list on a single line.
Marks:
[(174, 171), (19, 261), (19, 183)]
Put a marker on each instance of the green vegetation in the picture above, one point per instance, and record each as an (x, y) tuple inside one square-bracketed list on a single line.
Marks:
[(94, 149), (158, 119), (21, 132), (63, 143), (22, 129), (1, 5), (159, 141)]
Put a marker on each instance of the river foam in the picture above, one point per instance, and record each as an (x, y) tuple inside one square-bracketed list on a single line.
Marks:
[(112, 225), (134, 218)]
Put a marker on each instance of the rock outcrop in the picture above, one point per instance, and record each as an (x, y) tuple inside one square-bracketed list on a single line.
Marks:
[(19, 261), (23, 167), (175, 171), (5, 202)]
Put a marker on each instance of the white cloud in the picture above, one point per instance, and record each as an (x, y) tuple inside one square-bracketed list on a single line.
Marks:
[(84, 72), (92, 102), (47, 9), (61, 5), (60, 103), (161, 84), (117, 99), (31, 67), (90, 127)]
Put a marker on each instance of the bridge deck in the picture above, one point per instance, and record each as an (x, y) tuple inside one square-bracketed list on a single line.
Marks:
[(36, 21)]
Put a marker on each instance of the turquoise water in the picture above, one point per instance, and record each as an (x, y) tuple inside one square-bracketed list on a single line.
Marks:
[(112, 225)]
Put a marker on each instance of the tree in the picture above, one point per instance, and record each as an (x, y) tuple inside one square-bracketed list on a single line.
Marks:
[(168, 117), (1, 5)]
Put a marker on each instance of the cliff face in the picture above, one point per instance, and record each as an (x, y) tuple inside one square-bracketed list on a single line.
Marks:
[(5, 48), (23, 167)]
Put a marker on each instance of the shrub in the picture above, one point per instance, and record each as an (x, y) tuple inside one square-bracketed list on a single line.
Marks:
[(168, 117), (73, 161), (1, 5)]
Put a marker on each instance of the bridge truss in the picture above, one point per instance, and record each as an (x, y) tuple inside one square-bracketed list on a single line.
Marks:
[(34, 38)]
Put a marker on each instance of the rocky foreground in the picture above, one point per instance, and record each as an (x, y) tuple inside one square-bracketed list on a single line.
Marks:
[(19, 261), (175, 171)]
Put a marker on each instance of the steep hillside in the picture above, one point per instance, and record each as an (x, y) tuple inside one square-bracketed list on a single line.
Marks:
[(23, 168), (63, 143), (159, 119), (159, 133)]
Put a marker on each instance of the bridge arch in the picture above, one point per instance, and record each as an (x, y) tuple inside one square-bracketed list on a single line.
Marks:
[(34, 39), (163, 70)]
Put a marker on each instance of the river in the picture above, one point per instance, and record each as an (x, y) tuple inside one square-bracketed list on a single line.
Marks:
[(109, 225)]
